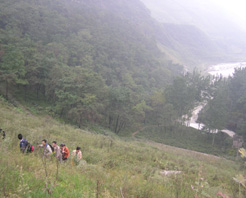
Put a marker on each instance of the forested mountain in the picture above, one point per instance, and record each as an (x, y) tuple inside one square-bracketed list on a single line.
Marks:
[(227, 37), (94, 61), (227, 108), (100, 61)]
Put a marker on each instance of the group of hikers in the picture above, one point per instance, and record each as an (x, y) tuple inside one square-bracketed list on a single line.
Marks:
[(3, 134), (60, 152)]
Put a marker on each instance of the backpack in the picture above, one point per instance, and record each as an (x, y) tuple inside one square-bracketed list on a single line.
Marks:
[(52, 148), (30, 148)]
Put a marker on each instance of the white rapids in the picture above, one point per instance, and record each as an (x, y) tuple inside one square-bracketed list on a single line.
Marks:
[(225, 69)]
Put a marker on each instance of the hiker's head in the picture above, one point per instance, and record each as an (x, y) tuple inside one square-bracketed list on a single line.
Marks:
[(62, 145), (78, 149), (54, 144), (44, 141), (20, 136)]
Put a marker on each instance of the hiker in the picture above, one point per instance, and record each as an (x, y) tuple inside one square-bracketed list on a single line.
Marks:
[(23, 143), (4, 135), (77, 155), (25, 146), (65, 152), (57, 151), (47, 148), (1, 131)]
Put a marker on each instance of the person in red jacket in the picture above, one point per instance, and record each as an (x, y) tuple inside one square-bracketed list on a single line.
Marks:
[(65, 152)]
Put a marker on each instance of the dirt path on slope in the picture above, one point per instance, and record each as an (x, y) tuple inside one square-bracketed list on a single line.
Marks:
[(136, 132), (181, 151)]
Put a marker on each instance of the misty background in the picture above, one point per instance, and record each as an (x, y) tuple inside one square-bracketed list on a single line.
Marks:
[(220, 24)]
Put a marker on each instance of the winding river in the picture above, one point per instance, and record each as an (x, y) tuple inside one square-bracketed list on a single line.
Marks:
[(226, 70)]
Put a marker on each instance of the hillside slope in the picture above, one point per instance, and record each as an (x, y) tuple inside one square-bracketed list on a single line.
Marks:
[(205, 15), (190, 45), (114, 167)]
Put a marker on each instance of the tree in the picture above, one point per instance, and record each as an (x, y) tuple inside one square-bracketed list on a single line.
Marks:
[(140, 110), (118, 108), (12, 69), (216, 111)]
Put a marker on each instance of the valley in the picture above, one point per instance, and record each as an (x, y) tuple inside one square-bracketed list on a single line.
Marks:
[(114, 79)]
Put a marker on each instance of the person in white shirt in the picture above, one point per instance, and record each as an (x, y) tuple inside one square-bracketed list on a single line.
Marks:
[(77, 155), (47, 149)]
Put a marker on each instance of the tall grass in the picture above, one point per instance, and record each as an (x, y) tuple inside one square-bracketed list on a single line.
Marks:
[(114, 168)]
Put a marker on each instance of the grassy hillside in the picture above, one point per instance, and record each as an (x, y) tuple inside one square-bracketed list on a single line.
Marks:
[(189, 138), (114, 168)]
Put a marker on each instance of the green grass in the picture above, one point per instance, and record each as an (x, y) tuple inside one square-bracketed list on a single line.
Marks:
[(115, 167), (192, 139)]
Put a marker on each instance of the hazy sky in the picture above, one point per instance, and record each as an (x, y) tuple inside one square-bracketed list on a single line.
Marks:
[(235, 7)]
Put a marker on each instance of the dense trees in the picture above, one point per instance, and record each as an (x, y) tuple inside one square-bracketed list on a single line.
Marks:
[(12, 69), (186, 91), (91, 61)]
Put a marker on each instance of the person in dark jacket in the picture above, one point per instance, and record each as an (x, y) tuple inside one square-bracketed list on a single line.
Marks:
[(23, 143), (4, 135)]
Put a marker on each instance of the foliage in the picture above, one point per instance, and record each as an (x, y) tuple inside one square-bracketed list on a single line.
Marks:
[(186, 91), (242, 151), (226, 108), (91, 62), (92, 67)]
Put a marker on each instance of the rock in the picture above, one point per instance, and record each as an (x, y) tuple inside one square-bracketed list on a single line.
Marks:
[(167, 173)]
